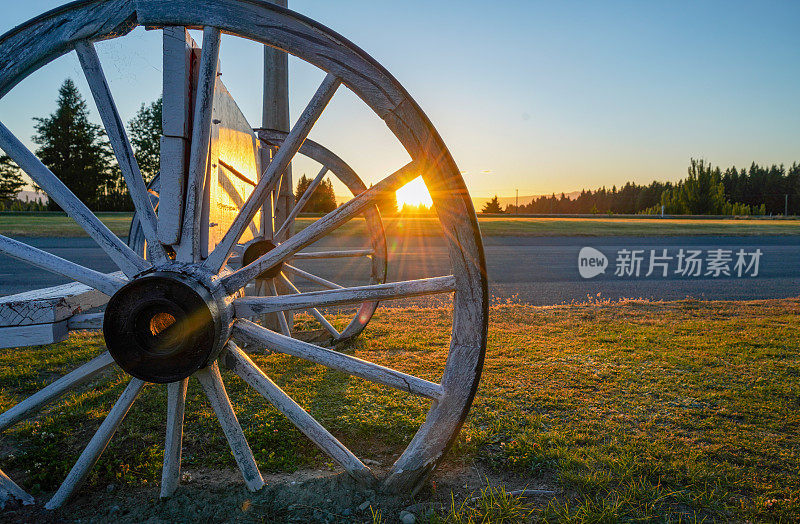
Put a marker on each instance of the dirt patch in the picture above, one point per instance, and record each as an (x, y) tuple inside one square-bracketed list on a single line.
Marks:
[(303, 496)]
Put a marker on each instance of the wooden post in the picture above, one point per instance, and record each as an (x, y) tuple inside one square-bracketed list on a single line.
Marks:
[(275, 115)]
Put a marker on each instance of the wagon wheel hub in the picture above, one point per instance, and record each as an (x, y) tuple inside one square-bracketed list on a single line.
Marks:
[(255, 251), (163, 327)]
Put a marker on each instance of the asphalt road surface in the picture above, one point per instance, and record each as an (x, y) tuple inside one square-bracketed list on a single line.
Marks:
[(535, 270)]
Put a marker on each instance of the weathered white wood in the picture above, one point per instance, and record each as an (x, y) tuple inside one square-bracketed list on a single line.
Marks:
[(311, 277), (55, 264), (235, 163), (80, 376), (250, 306), (321, 227), (33, 335), (176, 405), (10, 487), (89, 322), (177, 46), (189, 249), (128, 261), (48, 305), (314, 311), (118, 137), (353, 253), (211, 380), (256, 335), (97, 445), (309, 192), (241, 364), (284, 325), (176, 127), (279, 163)]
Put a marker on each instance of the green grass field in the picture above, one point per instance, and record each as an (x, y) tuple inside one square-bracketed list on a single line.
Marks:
[(684, 411), (48, 225)]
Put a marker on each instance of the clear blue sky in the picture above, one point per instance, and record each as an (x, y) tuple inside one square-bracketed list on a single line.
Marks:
[(536, 96)]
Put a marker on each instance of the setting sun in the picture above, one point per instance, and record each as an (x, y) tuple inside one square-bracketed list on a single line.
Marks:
[(414, 194)]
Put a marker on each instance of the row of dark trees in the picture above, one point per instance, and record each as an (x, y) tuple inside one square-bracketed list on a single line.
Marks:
[(705, 191)]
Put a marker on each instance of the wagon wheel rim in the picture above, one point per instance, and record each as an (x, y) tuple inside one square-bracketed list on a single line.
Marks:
[(331, 164), (344, 63)]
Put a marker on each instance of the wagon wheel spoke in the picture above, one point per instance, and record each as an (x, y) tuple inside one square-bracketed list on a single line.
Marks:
[(321, 227), (352, 253), (211, 380), (11, 487), (189, 249), (107, 284), (284, 325), (123, 151), (176, 404), (80, 376), (123, 256), (250, 306), (97, 445), (309, 192), (311, 277), (314, 311), (279, 163), (256, 335), (241, 364)]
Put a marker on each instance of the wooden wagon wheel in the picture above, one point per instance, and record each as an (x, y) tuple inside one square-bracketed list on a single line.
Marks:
[(170, 319), (331, 163)]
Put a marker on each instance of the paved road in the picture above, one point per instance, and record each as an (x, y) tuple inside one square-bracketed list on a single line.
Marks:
[(538, 270)]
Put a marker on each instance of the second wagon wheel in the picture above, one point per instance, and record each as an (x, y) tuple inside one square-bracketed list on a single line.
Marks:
[(168, 320), (375, 243)]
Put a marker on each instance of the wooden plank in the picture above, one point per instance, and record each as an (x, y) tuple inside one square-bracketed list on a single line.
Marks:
[(235, 170), (202, 116), (45, 306), (176, 124), (33, 335), (88, 322)]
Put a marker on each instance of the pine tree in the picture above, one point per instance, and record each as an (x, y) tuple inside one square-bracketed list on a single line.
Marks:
[(10, 179), (145, 131), (322, 201), (492, 206), (76, 151)]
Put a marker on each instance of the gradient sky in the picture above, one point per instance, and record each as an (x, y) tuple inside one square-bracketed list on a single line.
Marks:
[(537, 96)]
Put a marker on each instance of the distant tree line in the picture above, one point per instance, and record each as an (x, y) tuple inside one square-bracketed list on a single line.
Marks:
[(705, 191), (79, 154)]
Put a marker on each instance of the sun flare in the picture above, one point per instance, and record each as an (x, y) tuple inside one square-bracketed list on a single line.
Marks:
[(414, 194)]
